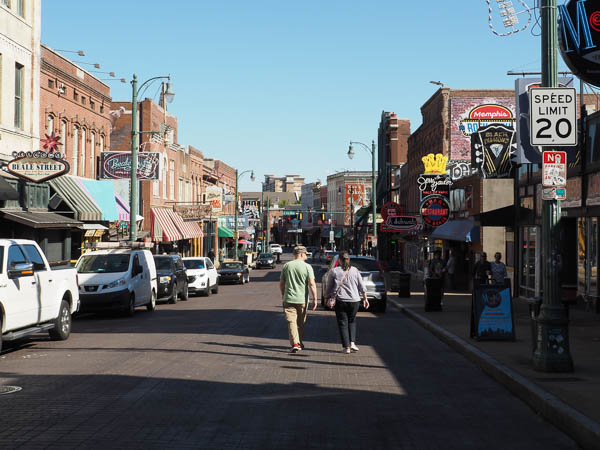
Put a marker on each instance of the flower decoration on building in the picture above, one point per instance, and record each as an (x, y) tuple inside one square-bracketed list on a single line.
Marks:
[(51, 142)]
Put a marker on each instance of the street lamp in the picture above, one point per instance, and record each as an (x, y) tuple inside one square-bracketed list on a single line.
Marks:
[(374, 182), (235, 233), (133, 197)]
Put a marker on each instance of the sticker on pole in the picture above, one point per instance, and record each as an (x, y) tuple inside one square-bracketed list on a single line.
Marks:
[(553, 116), (554, 169)]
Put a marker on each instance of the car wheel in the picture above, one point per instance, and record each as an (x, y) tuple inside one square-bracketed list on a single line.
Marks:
[(62, 324), (216, 287), (130, 311), (248, 278), (208, 291), (151, 306), (173, 298), (185, 294)]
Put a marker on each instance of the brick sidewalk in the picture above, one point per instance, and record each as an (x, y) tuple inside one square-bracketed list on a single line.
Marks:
[(569, 400)]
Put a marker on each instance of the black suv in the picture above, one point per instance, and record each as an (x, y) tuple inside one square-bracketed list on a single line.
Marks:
[(172, 278)]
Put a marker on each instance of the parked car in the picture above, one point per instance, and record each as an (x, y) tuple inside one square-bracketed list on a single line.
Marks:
[(202, 275), (265, 260), (34, 297), (328, 255), (275, 249), (172, 278), (234, 272), (118, 278), (372, 276)]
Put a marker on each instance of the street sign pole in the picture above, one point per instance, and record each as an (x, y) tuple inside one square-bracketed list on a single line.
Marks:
[(552, 350)]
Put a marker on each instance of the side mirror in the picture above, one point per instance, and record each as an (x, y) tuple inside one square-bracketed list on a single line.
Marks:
[(20, 270)]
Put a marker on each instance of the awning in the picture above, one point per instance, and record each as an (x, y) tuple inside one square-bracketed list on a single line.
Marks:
[(40, 219), (225, 232), (123, 210), (162, 226), (77, 198), (457, 230), (7, 192), (244, 242), (92, 226), (188, 230), (103, 193)]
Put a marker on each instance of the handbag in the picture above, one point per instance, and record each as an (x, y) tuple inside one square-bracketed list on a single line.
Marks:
[(331, 301)]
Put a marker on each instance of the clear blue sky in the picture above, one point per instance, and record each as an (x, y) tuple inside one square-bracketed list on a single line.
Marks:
[(280, 86)]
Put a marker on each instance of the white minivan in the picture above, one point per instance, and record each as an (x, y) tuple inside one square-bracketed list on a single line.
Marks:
[(121, 279)]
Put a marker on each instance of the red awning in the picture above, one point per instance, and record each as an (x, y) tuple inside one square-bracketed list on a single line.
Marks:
[(189, 230), (163, 227)]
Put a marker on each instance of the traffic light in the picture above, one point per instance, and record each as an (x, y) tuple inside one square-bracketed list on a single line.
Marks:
[(323, 217), (300, 216)]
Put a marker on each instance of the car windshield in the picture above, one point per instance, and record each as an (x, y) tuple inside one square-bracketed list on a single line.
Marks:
[(231, 265), (275, 246), (103, 263), (193, 263), (365, 265), (265, 255), (162, 262)]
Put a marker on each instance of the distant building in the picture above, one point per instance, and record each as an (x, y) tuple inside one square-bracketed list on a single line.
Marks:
[(287, 183)]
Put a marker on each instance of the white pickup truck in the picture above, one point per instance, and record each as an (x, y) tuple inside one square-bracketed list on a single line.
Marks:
[(34, 297)]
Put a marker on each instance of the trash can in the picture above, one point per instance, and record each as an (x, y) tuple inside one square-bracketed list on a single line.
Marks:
[(433, 294), (403, 285), (534, 310)]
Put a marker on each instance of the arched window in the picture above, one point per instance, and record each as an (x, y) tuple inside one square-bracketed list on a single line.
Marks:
[(92, 154), (75, 149), (63, 138), (50, 124), (101, 143), (82, 152)]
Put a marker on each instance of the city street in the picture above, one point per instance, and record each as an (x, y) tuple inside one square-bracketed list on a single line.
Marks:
[(214, 372)]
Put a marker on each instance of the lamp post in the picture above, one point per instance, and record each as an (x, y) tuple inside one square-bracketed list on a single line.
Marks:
[(235, 232), (133, 197), (374, 182)]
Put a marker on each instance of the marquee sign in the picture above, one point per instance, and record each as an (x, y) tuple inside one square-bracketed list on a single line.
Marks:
[(435, 210), (394, 221), (213, 196), (579, 36), (39, 166), (434, 185), (192, 212), (117, 165)]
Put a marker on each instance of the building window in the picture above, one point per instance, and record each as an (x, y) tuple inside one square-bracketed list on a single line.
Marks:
[(21, 8), (75, 148), (50, 83), (75, 95), (164, 176), (82, 152), (50, 125), (19, 69), (6, 3), (82, 100), (92, 104), (101, 143), (101, 109), (180, 186), (172, 179), (92, 154), (63, 136), (155, 188)]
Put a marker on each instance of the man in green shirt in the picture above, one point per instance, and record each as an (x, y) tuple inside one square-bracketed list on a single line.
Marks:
[(297, 277)]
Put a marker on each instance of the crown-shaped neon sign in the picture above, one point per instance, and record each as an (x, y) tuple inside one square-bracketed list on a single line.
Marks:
[(434, 164)]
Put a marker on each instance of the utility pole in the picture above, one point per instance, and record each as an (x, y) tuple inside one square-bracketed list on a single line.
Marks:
[(267, 224), (552, 350)]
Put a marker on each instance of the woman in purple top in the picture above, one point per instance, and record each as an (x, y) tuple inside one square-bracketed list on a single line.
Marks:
[(345, 283)]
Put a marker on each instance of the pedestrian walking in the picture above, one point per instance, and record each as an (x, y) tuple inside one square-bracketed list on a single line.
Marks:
[(297, 279), (450, 269), (211, 256), (482, 269), (346, 285), (436, 267), (498, 269)]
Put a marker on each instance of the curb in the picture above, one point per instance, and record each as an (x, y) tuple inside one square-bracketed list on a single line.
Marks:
[(582, 429)]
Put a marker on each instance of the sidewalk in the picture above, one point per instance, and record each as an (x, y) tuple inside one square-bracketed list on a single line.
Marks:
[(571, 401)]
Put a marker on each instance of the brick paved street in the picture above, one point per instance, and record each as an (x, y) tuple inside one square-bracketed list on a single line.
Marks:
[(215, 373)]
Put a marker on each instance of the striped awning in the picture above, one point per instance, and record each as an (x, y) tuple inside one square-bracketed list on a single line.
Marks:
[(189, 230), (163, 227), (76, 198), (123, 210)]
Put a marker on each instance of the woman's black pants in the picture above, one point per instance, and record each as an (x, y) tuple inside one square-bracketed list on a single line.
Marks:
[(345, 312)]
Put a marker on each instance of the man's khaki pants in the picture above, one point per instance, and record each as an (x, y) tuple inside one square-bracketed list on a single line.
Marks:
[(295, 316)]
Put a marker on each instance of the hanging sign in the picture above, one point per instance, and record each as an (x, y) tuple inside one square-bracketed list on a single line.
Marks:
[(117, 165), (41, 165), (492, 150), (435, 210), (492, 313), (394, 221), (579, 37)]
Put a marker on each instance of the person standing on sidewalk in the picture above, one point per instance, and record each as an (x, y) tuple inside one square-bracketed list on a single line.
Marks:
[(450, 268), (297, 279), (482, 269), (498, 269), (345, 283)]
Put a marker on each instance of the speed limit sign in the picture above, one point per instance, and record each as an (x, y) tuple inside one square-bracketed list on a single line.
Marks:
[(553, 117)]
